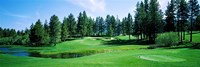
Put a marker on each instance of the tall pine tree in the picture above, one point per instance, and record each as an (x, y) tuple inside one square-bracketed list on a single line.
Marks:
[(80, 25), (37, 34), (72, 25), (170, 17), (182, 14), (194, 12), (55, 30), (65, 32)]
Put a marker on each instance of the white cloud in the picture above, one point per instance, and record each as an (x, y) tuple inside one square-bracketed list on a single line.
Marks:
[(8, 13), (92, 5), (17, 15)]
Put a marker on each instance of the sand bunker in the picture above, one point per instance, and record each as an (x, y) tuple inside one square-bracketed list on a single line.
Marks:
[(161, 58)]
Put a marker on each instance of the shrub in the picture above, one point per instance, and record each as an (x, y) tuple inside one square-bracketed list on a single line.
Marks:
[(195, 45), (167, 39)]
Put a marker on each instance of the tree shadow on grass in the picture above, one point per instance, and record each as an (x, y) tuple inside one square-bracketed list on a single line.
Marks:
[(127, 42), (71, 39)]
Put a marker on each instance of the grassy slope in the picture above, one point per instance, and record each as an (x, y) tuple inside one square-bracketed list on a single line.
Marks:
[(118, 56)]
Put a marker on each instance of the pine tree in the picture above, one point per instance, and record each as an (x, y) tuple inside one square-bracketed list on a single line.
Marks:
[(46, 35), (1, 32), (141, 19), (182, 14), (85, 24), (119, 27), (194, 12), (101, 26), (90, 26), (123, 27), (65, 32), (55, 30), (109, 27), (136, 22), (129, 25), (197, 23), (37, 34), (72, 25), (80, 25), (112, 26), (154, 17), (170, 17), (98, 26)]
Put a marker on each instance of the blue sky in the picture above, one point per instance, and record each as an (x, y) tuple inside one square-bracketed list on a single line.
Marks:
[(20, 14)]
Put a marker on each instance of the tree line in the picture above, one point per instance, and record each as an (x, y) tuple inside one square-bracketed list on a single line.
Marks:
[(148, 22)]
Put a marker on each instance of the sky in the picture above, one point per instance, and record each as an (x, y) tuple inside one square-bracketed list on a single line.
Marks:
[(20, 14)]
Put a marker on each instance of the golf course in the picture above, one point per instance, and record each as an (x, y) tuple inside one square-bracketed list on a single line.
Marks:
[(99, 33), (99, 52)]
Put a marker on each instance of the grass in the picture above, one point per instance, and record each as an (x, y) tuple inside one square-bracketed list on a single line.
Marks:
[(125, 55), (196, 37)]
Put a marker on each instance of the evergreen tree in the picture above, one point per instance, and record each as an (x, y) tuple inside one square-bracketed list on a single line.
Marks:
[(182, 14), (129, 25), (154, 18), (98, 26), (101, 25), (119, 27), (1, 32), (111, 25), (37, 34), (141, 19), (85, 24), (194, 12), (64, 32), (90, 26), (197, 23), (136, 22), (123, 27), (46, 30), (55, 30), (170, 17), (72, 25), (80, 25), (146, 20)]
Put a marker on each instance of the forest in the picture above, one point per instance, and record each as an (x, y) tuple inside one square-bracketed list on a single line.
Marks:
[(149, 21)]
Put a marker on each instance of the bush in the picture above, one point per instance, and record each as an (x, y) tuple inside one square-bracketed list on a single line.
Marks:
[(195, 45), (167, 39)]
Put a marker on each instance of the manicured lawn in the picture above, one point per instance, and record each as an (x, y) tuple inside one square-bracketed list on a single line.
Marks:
[(188, 58), (107, 55)]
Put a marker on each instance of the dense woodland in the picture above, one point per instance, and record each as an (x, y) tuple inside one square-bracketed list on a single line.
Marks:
[(146, 24)]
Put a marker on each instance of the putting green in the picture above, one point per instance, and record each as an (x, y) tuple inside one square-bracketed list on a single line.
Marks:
[(161, 58)]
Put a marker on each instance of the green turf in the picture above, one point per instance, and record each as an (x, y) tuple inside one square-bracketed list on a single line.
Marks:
[(131, 55), (196, 37)]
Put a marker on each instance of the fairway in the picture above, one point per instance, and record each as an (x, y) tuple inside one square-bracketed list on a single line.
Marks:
[(98, 53)]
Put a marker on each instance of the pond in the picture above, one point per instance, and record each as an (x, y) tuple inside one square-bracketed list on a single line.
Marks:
[(14, 52), (23, 52)]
